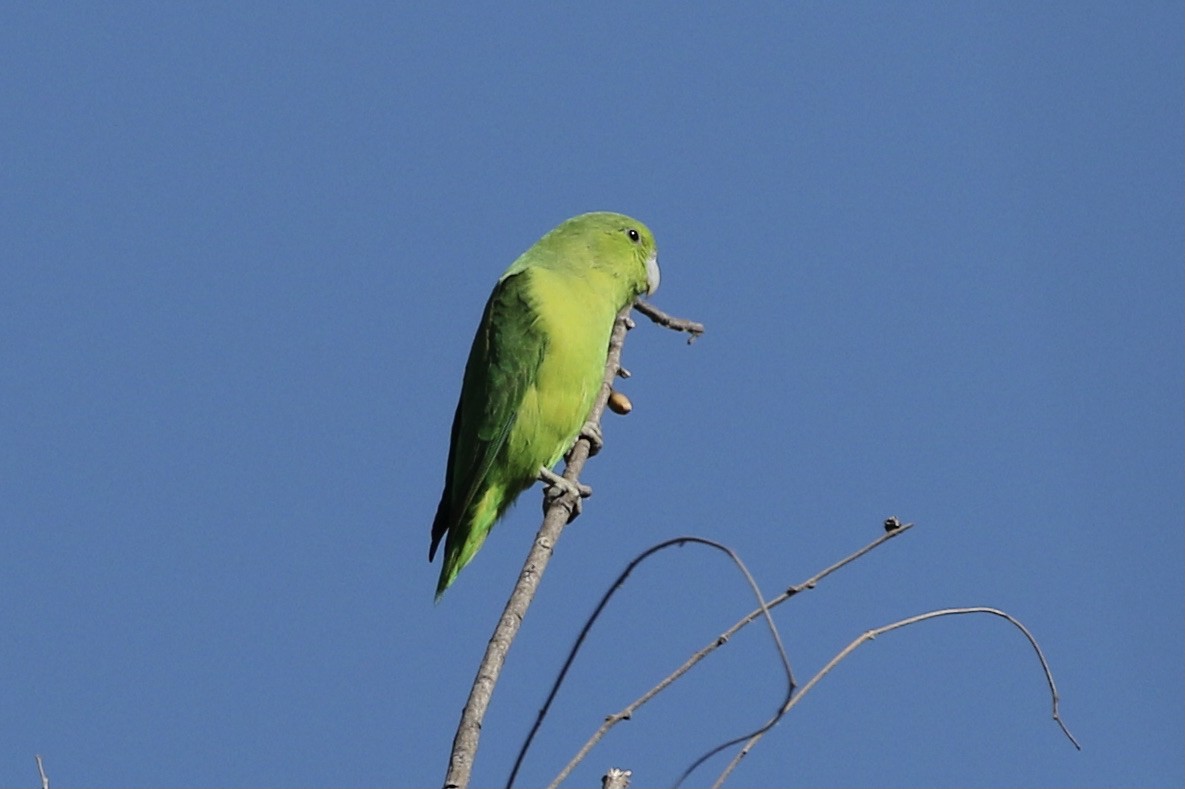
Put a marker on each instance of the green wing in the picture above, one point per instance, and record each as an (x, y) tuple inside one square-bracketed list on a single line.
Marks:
[(503, 363)]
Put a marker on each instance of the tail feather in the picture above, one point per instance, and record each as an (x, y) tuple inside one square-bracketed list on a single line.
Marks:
[(466, 535), (440, 525)]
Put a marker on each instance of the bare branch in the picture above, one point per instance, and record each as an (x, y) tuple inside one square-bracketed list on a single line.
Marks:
[(719, 641), (617, 584), (871, 634), (41, 772), (670, 321), (557, 513)]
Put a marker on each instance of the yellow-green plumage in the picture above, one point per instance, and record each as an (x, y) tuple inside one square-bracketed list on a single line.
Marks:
[(534, 370)]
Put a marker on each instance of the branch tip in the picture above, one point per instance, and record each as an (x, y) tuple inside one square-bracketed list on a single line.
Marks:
[(670, 321)]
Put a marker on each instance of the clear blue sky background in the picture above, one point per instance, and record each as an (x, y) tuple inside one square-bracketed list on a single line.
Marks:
[(243, 249)]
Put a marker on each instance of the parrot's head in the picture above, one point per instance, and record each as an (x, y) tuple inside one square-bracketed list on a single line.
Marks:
[(642, 251), (619, 245)]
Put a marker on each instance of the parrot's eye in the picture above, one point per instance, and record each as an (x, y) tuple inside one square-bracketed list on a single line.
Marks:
[(633, 234)]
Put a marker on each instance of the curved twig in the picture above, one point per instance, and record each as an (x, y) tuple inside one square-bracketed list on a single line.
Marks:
[(626, 713), (584, 631), (871, 634)]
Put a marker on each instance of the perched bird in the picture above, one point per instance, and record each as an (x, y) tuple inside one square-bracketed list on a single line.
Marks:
[(534, 370)]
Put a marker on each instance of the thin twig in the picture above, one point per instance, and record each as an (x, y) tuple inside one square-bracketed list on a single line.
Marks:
[(626, 713), (670, 321), (557, 513), (871, 634), (41, 772), (617, 584)]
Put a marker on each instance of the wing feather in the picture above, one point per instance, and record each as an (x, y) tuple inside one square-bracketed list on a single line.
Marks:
[(503, 362)]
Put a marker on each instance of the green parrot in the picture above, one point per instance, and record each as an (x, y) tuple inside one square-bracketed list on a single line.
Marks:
[(534, 370)]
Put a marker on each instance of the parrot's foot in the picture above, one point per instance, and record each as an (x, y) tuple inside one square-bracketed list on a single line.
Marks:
[(558, 487), (591, 431), (563, 485)]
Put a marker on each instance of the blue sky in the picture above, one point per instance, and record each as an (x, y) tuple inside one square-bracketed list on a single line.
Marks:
[(937, 246)]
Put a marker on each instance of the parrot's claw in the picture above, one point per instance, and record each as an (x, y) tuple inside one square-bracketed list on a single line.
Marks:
[(563, 485), (558, 487), (591, 431)]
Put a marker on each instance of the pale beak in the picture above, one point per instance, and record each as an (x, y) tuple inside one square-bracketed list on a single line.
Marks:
[(652, 273)]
